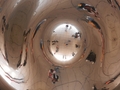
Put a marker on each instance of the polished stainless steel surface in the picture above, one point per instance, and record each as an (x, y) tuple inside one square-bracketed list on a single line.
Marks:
[(39, 35)]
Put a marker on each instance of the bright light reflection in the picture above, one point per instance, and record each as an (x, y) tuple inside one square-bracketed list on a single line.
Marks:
[(13, 74), (64, 54), (2, 73), (39, 7), (5, 70), (60, 57), (16, 3)]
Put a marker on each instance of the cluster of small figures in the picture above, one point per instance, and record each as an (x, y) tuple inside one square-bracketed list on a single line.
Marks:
[(54, 77), (92, 10), (89, 8)]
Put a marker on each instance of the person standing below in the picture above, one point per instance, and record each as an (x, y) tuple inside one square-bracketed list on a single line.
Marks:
[(66, 28), (73, 54), (57, 48)]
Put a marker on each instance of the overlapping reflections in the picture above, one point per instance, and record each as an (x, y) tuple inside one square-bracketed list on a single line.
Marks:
[(65, 41)]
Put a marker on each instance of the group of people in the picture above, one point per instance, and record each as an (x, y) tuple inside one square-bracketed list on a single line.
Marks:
[(92, 10), (89, 8), (54, 77), (77, 34)]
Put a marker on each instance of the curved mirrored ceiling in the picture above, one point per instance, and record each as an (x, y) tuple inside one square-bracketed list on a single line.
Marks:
[(59, 44)]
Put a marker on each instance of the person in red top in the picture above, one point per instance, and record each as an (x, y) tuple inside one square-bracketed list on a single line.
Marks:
[(50, 73), (53, 76)]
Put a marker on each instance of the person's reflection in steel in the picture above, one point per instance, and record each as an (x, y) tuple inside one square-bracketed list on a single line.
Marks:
[(38, 26), (90, 9), (25, 34), (93, 23)]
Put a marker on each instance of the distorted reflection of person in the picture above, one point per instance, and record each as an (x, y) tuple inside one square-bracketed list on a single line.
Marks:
[(91, 57), (4, 20), (77, 34), (4, 24), (77, 46), (41, 43), (25, 61), (38, 26), (3, 29), (54, 77), (73, 54), (25, 34), (89, 8), (93, 23), (64, 56), (50, 73), (66, 27), (110, 81), (57, 49), (113, 79)]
